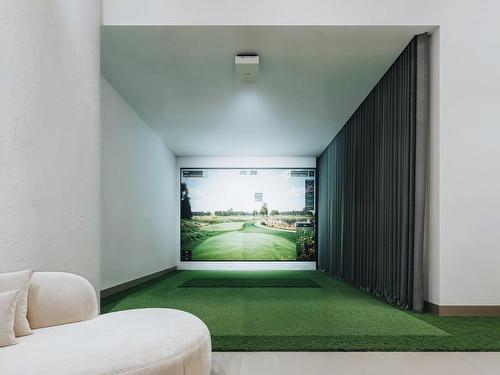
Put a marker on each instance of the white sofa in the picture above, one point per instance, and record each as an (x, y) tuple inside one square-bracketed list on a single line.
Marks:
[(70, 338)]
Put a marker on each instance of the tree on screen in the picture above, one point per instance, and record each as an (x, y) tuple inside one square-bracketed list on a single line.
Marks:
[(264, 211), (186, 212)]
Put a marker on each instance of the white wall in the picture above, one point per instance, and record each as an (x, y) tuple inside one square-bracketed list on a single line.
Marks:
[(239, 162), (49, 136), (138, 202), (465, 240)]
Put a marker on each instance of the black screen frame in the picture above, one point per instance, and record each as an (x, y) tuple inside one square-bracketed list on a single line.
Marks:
[(315, 261)]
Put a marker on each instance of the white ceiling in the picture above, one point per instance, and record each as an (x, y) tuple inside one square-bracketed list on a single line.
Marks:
[(181, 80)]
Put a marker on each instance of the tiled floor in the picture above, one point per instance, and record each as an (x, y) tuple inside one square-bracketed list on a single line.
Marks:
[(356, 363)]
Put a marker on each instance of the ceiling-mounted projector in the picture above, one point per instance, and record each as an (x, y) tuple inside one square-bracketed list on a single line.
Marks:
[(247, 68)]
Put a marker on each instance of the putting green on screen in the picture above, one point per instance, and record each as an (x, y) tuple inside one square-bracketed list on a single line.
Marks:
[(238, 245), (335, 316), (223, 227)]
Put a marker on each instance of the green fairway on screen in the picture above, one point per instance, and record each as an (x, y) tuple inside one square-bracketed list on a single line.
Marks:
[(248, 214)]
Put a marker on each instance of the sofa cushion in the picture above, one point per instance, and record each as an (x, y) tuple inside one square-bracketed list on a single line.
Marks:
[(18, 280), (145, 341), (56, 298), (7, 315)]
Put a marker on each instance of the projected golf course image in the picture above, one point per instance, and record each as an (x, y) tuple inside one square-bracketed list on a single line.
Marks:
[(211, 230), (241, 240)]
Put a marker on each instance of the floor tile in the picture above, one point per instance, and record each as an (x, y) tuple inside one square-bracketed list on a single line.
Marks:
[(354, 363), (489, 363), (435, 363), (274, 363), (226, 363)]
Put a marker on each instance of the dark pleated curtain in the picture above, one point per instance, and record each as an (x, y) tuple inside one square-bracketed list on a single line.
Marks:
[(372, 186)]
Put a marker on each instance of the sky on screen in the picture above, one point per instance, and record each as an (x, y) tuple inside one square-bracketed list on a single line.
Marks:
[(223, 189)]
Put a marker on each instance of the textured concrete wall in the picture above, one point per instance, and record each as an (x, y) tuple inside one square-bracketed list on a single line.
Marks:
[(49, 136)]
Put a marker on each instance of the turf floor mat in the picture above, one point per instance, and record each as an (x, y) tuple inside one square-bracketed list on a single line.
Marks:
[(251, 282), (336, 316)]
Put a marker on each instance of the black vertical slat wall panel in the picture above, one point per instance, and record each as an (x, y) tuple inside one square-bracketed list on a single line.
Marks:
[(372, 186)]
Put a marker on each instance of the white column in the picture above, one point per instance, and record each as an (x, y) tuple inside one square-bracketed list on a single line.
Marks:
[(49, 136)]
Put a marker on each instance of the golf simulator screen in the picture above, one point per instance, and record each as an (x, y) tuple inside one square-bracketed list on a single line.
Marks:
[(231, 214)]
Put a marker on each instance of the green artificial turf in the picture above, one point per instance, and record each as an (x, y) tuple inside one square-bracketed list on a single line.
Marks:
[(334, 317), (249, 282)]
